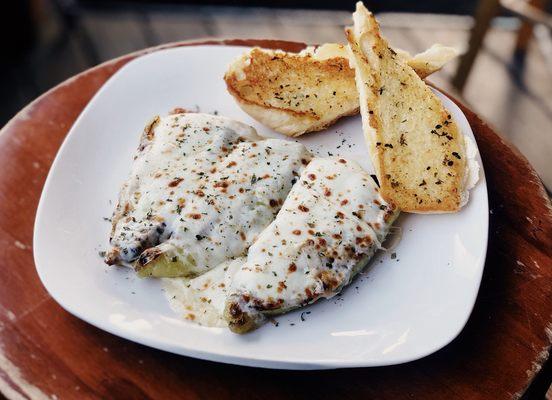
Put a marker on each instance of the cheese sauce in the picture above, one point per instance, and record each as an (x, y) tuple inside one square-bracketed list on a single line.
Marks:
[(331, 223), (206, 189), (201, 189), (202, 299)]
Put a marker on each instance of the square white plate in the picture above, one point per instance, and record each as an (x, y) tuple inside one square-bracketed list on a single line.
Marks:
[(409, 303)]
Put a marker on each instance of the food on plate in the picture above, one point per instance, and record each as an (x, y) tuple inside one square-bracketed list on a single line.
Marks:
[(331, 224), (292, 93), (296, 93), (243, 228), (201, 189), (417, 149)]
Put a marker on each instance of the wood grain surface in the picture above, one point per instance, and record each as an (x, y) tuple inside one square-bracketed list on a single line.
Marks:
[(47, 353)]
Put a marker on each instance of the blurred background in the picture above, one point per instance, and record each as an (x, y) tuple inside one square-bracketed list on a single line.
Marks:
[(505, 74)]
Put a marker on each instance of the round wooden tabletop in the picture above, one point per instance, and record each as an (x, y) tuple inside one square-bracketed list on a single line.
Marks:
[(503, 352)]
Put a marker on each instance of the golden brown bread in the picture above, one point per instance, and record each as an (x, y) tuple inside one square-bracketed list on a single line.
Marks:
[(415, 145), (296, 93), (293, 93)]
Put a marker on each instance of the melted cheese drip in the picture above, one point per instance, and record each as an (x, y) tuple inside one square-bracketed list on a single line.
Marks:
[(202, 299)]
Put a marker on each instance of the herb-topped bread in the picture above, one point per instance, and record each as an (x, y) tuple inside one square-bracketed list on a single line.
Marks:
[(296, 93), (292, 93), (416, 147)]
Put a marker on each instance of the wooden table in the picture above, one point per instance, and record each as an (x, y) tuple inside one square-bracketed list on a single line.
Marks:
[(503, 352)]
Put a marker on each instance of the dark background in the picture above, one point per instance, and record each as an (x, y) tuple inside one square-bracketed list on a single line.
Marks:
[(26, 46), (433, 6)]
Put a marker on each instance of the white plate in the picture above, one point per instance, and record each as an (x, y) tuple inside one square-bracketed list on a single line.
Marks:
[(401, 309)]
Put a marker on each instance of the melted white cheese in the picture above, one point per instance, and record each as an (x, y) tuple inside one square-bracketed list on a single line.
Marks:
[(329, 226), (349, 188), (202, 299), (331, 223), (202, 187)]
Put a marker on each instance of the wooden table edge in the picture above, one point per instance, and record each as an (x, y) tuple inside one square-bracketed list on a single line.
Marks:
[(116, 63)]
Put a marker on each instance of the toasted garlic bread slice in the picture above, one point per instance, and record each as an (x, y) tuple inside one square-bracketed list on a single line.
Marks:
[(291, 93), (416, 147), (296, 93)]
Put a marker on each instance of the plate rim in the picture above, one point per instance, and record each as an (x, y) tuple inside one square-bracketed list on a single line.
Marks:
[(269, 363)]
